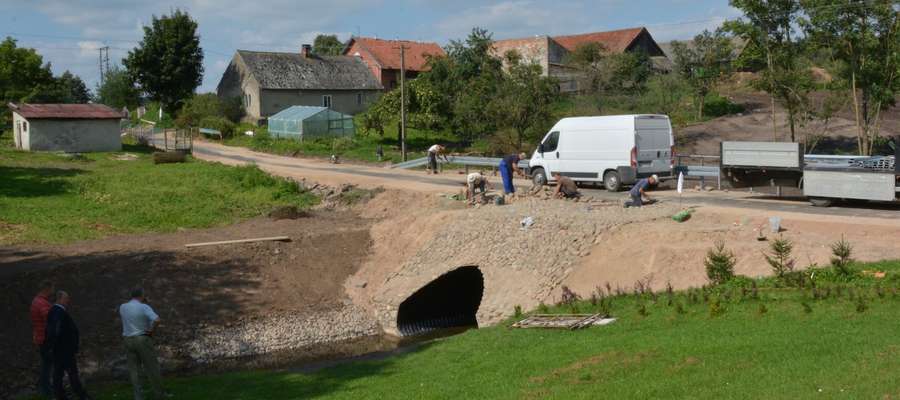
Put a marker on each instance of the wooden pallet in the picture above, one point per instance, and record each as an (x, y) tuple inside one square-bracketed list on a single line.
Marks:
[(559, 321)]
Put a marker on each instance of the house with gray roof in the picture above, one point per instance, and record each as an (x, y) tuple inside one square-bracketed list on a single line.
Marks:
[(268, 82)]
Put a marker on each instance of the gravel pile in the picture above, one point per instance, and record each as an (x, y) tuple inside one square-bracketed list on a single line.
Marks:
[(282, 332), (521, 265)]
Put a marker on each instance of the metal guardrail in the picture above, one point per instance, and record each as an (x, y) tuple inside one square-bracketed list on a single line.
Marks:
[(467, 161)]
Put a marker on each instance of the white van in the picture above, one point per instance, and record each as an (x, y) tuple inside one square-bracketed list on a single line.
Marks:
[(615, 150)]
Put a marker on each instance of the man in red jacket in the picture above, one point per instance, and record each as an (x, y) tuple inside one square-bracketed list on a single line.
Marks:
[(40, 307)]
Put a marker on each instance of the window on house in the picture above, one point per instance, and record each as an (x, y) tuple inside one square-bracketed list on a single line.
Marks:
[(359, 99), (24, 126), (326, 101)]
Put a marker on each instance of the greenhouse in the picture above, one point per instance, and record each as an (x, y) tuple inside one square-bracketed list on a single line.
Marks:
[(307, 122)]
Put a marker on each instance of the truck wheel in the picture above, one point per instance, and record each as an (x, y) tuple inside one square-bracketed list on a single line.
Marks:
[(538, 177), (820, 202), (612, 182)]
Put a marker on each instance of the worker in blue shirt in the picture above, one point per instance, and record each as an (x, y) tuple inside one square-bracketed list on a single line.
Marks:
[(638, 192), (508, 166)]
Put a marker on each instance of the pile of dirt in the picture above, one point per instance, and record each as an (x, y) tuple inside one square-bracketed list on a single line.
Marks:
[(193, 290), (665, 252), (755, 124)]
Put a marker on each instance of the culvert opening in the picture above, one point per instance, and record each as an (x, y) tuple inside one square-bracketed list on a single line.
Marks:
[(449, 301)]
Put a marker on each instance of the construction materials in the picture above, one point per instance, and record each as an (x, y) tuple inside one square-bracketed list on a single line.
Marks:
[(561, 321), (682, 215), (263, 239)]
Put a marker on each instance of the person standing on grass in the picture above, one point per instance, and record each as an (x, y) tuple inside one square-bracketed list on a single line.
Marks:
[(63, 340), (40, 308), (508, 166), (138, 323), (434, 152)]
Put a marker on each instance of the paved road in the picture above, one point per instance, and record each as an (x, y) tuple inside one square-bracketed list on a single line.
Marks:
[(372, 176)]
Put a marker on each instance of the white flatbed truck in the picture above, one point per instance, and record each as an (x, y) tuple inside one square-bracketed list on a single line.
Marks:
[(823, 178)]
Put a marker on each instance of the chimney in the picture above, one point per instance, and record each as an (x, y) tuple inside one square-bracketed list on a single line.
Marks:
[(305, 50)]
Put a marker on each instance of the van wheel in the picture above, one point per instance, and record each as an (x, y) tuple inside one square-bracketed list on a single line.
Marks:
[(612, 182), (820, 202), (539, 177)]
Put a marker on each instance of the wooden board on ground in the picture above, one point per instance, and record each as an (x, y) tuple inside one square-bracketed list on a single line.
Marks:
[(559, 321), (264, 239)]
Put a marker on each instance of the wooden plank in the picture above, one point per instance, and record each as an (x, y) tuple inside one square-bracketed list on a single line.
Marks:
[(263, 239)]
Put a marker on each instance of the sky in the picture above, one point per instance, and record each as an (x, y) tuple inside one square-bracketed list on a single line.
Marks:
[(67, 33)]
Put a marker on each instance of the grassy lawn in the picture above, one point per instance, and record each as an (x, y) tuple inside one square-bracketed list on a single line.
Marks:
[(731, 342), (50, 198)]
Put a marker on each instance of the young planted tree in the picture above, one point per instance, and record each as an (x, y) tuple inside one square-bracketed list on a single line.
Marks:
[(771, 24), (865, 37), (168, 62), (842, 251), (327, 45), (780, 260), (704, 64), (719, 264)]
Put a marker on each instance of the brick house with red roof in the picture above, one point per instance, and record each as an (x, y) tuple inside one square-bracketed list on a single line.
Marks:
[(550, 51), (383, 57)]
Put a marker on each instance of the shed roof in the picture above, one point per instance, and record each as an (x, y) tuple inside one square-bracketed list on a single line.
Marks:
[(614, 41), (297, 113), (65, 111), (387, 52), (294, 71)]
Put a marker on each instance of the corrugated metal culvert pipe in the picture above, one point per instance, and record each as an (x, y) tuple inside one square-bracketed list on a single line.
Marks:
[(450, 301)]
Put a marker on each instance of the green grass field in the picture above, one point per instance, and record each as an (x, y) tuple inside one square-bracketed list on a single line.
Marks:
[(50, 198), (728, 342)]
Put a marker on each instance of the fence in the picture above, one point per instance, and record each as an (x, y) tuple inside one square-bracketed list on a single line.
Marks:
[(163, 139)]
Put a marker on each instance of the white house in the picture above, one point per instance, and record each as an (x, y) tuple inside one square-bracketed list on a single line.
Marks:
[(72, 128)]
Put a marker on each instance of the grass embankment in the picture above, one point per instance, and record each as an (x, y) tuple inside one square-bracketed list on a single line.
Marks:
[(51, 198), (746, 339)]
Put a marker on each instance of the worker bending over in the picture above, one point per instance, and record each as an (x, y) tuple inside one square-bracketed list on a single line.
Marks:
[(474, 181), (434, 152), (565, 187), (638, 192)]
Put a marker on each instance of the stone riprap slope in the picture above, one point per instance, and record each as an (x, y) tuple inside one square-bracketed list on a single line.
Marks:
[(521, 265)]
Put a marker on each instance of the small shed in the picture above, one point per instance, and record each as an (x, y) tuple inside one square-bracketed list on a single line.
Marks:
[(309, 122), (72, 128)]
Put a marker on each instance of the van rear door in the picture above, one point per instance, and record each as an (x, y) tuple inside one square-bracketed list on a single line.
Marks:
[(654, 145)]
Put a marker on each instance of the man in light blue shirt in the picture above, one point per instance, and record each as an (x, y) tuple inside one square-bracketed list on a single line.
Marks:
[(138, 322)]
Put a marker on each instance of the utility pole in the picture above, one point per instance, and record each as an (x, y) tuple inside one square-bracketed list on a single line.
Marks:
[(403, 101), (104, 62)]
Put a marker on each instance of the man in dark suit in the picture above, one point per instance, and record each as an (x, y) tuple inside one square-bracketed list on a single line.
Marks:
[(63, 341)]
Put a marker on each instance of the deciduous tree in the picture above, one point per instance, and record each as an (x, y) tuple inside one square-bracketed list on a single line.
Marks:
[(118, 90), (703, 64), (168, 62), (865, 37), (327, 45)]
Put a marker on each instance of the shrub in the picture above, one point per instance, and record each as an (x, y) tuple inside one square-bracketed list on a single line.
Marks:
[(841, 260), (719, 264), (716, 308), (220, 124), (762, 310), (517, 311), (717, 106), (780, 259), (341, 144)]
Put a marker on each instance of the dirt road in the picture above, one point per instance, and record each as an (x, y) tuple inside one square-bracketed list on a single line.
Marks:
[(331, 174)]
